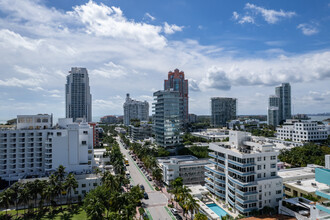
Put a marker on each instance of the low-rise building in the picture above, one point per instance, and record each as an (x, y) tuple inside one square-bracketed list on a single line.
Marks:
[(302, 131), (109, 119), (244, 173), (213, 134), (99, 158), (190, 168), (300, 208)]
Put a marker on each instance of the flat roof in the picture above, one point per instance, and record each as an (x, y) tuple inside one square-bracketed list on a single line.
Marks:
[(306, 185), (298, 173)]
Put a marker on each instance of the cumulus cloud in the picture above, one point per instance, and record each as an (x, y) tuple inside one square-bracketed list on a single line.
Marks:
[(103, 20), (308, 29), (193, 85), (304, 68), (171, 29), (216, 78)]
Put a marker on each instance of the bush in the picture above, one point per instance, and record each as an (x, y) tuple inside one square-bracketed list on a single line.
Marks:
[(170, 205)]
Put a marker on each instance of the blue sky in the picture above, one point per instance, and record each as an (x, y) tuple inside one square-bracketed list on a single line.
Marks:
[(240, 49)]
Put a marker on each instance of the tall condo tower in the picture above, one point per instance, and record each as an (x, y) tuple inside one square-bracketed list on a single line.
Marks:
[(177, 82), (279, 105), (167, 118), (222, 110), (78, 99), (135, 110)]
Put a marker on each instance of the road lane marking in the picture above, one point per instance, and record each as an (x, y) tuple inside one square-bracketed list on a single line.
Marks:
[(170, 213), (148, 213)]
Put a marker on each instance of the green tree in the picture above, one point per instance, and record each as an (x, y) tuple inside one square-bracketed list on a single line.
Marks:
[(200, 216), (71, 184)]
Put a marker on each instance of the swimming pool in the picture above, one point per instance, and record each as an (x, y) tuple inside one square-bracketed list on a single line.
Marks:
[(218, 210)]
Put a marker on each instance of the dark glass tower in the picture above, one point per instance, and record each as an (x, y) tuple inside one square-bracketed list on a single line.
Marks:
[(78, 99)]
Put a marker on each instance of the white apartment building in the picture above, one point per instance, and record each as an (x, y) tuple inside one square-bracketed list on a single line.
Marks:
[(244, 173), (188, 167), (302, 131), (34, 149)]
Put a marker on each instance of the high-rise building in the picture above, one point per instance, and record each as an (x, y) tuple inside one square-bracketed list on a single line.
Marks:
[(243, 173), (37, 148), (177, 82), (284, 93), (167, 118), (222, 110), (78, 98), (282, 101), (135, 110), (272, 116)]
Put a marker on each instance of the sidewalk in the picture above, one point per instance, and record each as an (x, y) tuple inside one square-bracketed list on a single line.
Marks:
[(176, 205)]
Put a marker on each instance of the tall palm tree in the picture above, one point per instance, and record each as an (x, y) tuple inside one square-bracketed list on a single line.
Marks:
[(16, 191), (34, 190), (192, 205), (60, 172), (5, 199), (25, 195), (70, 184)]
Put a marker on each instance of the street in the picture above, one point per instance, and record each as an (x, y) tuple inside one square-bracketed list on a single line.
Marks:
[(156, 205)]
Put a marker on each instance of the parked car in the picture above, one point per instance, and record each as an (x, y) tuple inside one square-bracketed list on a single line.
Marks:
[(142, 187), (178, 217), (174, 211), (145, 195), (149, 178)]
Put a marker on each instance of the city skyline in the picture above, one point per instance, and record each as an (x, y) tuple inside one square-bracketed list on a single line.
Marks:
[(240, 50)]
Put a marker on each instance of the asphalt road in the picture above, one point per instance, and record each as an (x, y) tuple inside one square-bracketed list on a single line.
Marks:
[(156, 205)]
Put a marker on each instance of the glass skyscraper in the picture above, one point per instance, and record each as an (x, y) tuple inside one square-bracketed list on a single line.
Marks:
[(177, 82), (78, 99), (222, 110)]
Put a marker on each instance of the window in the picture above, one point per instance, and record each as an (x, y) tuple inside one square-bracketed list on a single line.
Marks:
[(273, 157), (83, 142), (278, 191), (264, 166), (264, 158), (259, 167), (273, 173), (273, 165), (259, 159), (83, 185), (85, 132), (259, 175), (94, 184)]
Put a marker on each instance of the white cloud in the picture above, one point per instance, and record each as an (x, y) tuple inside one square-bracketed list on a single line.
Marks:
[(270, 16), (150, 16), (103, 20), (171, 29), (308, 29), (126, 60)]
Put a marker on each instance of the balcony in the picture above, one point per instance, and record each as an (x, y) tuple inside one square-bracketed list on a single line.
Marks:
[(243, 184), (241, 173), (323, 207), (324, 193), (241, 164), (214, 171), (322, 175)]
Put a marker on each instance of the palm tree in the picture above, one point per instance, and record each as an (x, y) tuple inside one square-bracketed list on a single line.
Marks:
[(200, 216), (25, 195), (70, 184), (5, 199), (157, 174), (15, 194), (60, 172), (192, 205)]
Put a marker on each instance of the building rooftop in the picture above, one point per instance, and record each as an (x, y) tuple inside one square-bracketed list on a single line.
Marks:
[(299, 173), (307, 185)]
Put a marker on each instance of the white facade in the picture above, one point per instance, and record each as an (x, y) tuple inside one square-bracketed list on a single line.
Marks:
[(188, 167), (34, 152), (244, 173), (135, 110), (302, 131)]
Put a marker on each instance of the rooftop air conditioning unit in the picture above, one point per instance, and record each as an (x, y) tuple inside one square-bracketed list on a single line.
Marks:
[(299, 182)]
